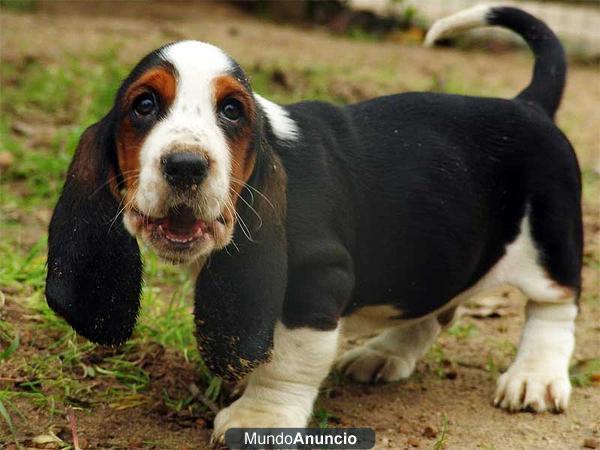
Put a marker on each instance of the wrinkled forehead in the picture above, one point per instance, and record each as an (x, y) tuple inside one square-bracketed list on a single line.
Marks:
[(194, 65)]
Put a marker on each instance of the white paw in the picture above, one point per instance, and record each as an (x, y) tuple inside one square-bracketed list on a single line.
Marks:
[(248, 413), (521, 388), (365, 365)]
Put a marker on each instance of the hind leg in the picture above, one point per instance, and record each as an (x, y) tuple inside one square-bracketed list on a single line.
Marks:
[(538, 379), (393, 354)]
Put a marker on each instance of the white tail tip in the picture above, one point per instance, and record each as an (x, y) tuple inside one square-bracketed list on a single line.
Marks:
[(464, 20)]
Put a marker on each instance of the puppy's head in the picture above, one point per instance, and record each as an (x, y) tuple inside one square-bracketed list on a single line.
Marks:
[(166, 165), (184, 139)]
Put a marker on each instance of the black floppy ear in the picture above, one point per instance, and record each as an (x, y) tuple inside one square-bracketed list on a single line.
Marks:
[(241, 290), (94, 266)]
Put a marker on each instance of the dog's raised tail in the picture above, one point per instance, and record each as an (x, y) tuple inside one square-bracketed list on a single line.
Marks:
[(549, 72)]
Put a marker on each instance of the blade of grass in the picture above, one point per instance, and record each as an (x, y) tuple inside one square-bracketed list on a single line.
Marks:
[(14, 345), (6, 416)]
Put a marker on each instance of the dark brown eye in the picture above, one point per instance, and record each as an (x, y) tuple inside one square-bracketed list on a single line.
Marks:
[(144, 104), (232, 109)]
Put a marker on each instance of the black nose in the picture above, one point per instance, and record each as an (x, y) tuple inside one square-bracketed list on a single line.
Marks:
[(184, 168)]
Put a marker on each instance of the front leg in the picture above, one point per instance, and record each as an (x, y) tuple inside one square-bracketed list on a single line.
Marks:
[(281, 392)]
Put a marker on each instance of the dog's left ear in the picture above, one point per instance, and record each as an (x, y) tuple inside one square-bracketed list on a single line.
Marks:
[(94, 266), (241, 290)]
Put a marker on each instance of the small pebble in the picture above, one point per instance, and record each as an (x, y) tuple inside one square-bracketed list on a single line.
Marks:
[(429, 432), (414, 442), (6, 160), (201, 423), (451, 374)]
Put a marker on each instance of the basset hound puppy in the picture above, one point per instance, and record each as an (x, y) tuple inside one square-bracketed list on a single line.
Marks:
[(395, 209)]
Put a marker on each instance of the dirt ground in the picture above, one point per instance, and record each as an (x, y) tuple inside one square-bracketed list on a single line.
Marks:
[(447, 402)]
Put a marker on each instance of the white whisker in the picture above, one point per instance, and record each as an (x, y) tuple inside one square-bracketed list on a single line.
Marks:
[(249, 187), (251, 208)]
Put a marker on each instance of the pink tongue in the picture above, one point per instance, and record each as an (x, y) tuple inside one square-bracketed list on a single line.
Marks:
[(181, 222), (181, 229)]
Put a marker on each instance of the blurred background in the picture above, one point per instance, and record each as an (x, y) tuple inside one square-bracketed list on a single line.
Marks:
[(60, 65)]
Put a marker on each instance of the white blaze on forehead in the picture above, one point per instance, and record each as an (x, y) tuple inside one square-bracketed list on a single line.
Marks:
[(195, 62), (191, 120)]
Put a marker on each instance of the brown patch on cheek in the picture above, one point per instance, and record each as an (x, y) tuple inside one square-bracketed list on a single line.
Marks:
[(130, 137), (243, 158)]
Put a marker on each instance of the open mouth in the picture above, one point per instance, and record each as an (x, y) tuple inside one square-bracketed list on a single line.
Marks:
[(180, 227)]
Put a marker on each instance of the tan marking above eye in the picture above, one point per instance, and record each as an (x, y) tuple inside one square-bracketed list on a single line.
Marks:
[(162, 82), (159, 79), (228, 86), (243, 158)]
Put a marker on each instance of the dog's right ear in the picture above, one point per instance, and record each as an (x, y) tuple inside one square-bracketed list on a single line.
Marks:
[(94, 267)]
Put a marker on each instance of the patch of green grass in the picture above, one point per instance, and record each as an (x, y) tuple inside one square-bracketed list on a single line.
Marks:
[(499, 352), (590, 186), (463, 331), (492, 366), (592, 260), (441, 442), (592, 298), (80, 88), (508, 348), (166, 318), (5, 415), (294, 83), (360, 34), (19, 5), (178, 404), (321, 417), (9, 340), (69, 369), (586, 372), (438, 360), (453, 81), (23, 268), (45, 110)]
